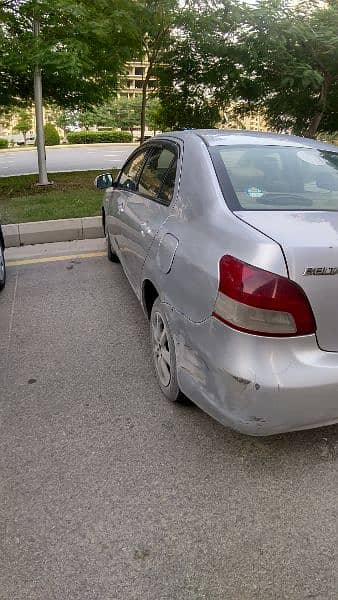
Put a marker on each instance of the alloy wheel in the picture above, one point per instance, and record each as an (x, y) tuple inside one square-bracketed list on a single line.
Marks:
[(161, 349)]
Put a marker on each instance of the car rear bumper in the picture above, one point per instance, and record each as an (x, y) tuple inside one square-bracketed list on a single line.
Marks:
[(257, 385)]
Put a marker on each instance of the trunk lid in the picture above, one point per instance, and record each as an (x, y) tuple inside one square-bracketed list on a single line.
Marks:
[(310, 244)]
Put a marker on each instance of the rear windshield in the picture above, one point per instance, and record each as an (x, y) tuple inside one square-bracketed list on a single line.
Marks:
[(277, 177)]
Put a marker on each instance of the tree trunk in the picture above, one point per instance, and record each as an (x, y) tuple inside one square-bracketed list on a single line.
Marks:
[(144, 102), (316, 120), (24, 133), (40, 136)]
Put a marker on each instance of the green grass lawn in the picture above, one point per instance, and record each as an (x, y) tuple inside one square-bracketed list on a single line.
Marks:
[(72, 195)]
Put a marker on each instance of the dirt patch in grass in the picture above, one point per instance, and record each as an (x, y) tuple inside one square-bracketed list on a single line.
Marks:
[(72, 195)]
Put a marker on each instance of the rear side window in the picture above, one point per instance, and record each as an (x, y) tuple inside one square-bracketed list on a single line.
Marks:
[(158, 177), (278, 177), (168, 185), (131, 171)]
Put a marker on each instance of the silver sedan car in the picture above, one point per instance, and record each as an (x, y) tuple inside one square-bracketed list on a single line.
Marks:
[(230, 241)]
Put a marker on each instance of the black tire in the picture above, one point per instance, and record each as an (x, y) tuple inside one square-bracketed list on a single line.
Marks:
[(170, 389), (111, 255), (2, 270)]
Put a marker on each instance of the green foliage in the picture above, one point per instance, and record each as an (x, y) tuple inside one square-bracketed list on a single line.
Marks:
[(290, 65), (117, 112), (329, 137), (181, 111), (158, 18), (82, 48), (3, 143), (52, 137), (276, 56), (95, 137), (154, 115), (24, 122), (65, 118), (200, 65), (126, 112)]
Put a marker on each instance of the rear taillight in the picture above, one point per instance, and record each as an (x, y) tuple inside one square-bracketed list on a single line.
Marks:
[(259, 302)]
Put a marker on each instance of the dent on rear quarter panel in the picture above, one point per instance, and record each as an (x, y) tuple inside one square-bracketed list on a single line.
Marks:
[(206, 230)]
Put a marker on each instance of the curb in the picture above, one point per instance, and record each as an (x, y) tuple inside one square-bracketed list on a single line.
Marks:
[(44, 232)]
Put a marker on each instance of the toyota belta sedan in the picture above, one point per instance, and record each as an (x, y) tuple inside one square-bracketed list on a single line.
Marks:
[(230, 241)]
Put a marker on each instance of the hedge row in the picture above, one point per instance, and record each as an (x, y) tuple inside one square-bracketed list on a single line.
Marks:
[(94, 137), (3, 143)]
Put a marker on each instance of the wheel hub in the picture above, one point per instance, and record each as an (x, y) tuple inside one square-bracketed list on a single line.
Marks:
[(161, 349)]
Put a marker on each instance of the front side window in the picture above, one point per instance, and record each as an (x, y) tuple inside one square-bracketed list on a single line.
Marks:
[(154, 175), (131, 171), (279, 177)]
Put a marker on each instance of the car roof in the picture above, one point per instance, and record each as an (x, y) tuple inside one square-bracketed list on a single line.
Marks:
[(230, 137)]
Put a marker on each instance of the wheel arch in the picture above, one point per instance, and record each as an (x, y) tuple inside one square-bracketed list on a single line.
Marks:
[(149, 295)]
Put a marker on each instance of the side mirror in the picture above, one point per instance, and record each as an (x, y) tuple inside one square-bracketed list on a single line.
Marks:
[(104, 181)]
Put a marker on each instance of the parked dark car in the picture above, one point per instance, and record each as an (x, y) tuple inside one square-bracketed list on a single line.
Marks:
[(2, 261)]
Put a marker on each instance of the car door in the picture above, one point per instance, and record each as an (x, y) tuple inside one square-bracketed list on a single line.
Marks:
[(117, 196), (147, 208)]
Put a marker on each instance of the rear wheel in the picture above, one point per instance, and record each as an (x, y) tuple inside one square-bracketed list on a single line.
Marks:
[(2, 268), (164, 355)]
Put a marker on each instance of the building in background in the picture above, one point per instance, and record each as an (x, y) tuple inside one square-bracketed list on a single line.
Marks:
[(8, 123), (132, 82), (252, 121)]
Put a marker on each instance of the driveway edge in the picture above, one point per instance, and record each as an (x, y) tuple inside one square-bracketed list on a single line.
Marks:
[(60, 230)]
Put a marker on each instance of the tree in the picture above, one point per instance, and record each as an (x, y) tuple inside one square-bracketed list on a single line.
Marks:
[(290, 64), (157, 19), (155, 118), (117, 112), (127, 113), (65, 119), (278, 57), (78, 46), (200, 65), (24, 123), (89, 118)]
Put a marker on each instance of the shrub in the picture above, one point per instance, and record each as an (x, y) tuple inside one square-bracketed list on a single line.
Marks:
[(96, 137), (3, 143), (52, 137)]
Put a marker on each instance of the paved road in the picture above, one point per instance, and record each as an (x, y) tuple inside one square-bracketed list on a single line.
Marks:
[(109, 492), (105, 156)]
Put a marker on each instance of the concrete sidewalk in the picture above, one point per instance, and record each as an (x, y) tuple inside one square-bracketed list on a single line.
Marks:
[(61, 230)]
